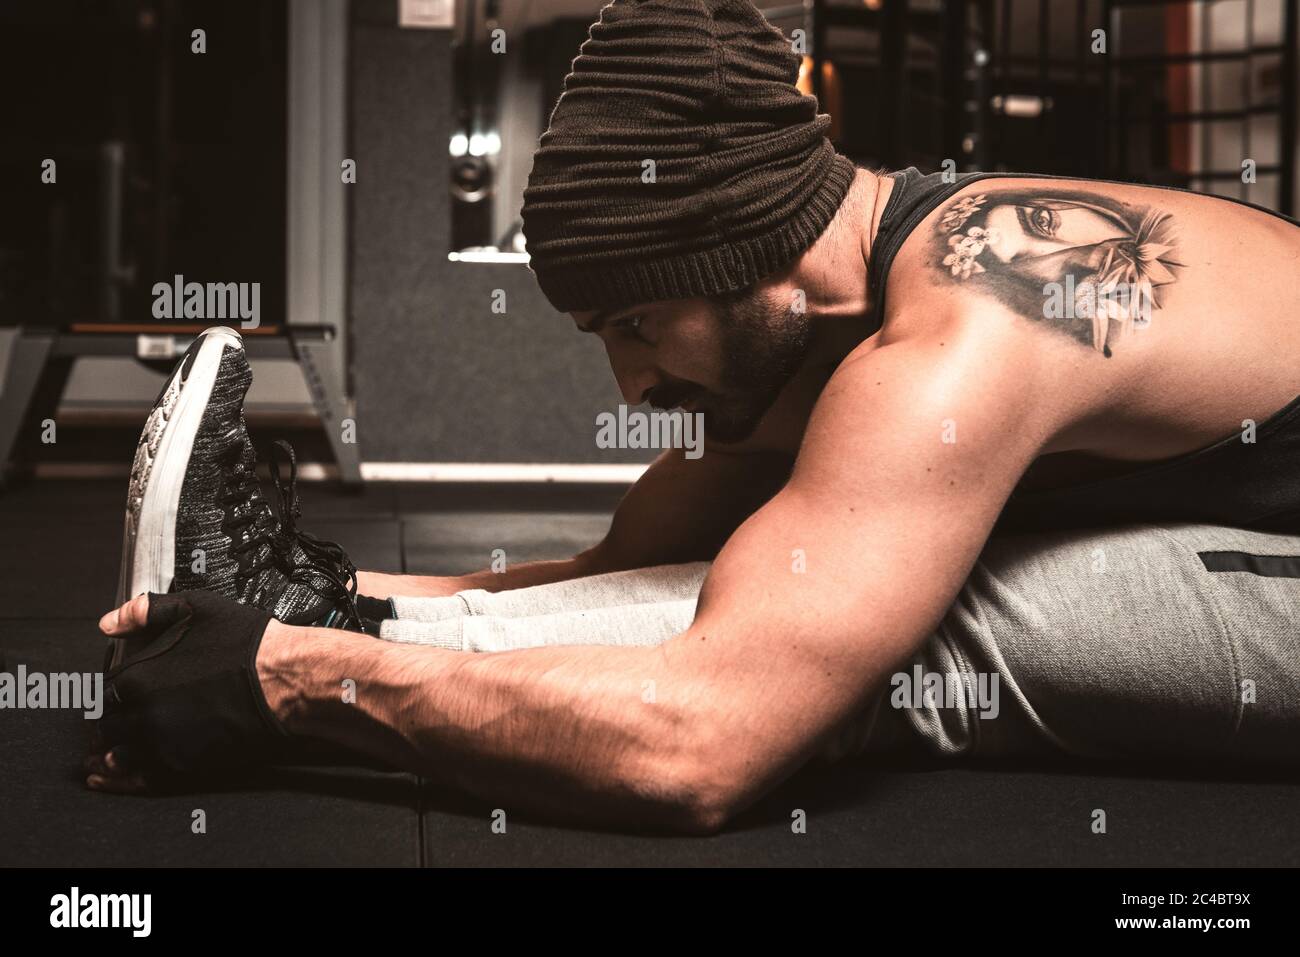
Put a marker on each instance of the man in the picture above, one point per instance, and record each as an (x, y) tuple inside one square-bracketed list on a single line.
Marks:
[(890, 367)]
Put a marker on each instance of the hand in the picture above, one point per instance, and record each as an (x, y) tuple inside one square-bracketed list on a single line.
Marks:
[(111, 771), (186, 697)]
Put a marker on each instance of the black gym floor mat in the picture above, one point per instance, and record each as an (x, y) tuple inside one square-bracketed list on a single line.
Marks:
[(449, 543), (59, 566), (917, 815), (58, 573), (284, 816), (374, 544)]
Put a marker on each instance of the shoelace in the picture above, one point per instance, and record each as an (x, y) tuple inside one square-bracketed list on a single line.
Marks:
[(254, 530), (325, 560)]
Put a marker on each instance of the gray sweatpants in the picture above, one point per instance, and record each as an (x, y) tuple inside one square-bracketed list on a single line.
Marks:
[(1178, 641)]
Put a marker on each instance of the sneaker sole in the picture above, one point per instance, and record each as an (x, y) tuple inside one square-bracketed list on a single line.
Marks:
[(158, 472)]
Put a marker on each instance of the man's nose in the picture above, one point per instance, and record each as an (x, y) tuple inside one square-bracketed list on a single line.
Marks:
[(635, 375)]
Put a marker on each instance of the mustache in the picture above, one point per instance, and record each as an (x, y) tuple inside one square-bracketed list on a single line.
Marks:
[(672, 395)]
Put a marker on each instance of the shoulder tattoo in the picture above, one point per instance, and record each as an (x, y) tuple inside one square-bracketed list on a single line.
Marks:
[(1084, 263)]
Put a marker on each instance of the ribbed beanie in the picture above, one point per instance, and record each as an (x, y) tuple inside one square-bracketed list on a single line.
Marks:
[(680, 159)]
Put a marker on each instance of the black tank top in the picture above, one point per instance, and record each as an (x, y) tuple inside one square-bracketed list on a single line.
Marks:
[(1230, 482)]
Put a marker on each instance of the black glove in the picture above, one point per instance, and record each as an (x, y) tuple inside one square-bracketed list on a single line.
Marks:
[(186, 698)]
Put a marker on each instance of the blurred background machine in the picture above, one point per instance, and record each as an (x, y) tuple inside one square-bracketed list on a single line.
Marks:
[(1171, 92), (376, 293), (158, 139)]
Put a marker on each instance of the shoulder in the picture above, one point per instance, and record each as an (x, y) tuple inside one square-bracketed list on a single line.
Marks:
[(953, 387), (1076, 259)]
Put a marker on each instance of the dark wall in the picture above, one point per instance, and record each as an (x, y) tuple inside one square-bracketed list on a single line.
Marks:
[(200, 141), (438, 376)]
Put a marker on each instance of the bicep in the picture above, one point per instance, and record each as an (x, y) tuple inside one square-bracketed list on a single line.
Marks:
[(906, 464)]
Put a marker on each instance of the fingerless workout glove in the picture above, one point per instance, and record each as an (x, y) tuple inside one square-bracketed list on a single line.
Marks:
[(186, 697)]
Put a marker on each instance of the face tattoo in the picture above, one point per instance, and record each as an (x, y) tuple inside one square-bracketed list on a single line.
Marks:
[(1090, 265)]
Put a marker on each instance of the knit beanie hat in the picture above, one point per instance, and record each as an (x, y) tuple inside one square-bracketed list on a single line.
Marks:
[(742, 178)]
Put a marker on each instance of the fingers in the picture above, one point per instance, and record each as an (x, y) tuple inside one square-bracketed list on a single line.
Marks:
[(109, 773), (131, 617), (151, 612), (118, 784), (104, 762), (95, 764)]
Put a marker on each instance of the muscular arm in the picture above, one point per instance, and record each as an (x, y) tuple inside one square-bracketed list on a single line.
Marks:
[(521, 575), (890, 519), (680, 510)]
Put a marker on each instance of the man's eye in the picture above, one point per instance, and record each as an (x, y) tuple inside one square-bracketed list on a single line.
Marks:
[(630, 323)]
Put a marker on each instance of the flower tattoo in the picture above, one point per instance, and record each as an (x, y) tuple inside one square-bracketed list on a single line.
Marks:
[(1091, 264)]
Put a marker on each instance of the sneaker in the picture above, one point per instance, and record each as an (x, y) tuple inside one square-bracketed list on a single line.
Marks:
[(196, 517), (168, 438)]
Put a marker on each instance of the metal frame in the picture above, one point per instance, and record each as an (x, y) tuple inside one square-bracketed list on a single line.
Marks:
[(316, 268), (1285, 110), (40, 359), (29, 356), (954, 39)]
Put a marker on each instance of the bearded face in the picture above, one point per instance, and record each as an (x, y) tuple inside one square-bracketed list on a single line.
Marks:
[(764, 342)]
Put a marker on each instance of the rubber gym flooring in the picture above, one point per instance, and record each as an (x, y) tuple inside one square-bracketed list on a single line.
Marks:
[(58, 568)]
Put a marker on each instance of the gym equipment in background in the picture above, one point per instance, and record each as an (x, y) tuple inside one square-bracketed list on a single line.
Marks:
[(170, 154)]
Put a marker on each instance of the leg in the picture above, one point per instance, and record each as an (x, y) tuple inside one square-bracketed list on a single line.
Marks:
[(648, 623), (1139, 642), (643, 606)]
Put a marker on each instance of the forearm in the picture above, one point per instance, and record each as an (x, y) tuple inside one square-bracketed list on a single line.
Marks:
[(569, 731), (522, 575)]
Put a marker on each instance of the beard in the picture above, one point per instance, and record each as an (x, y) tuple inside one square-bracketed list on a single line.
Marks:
[(764, 342)]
